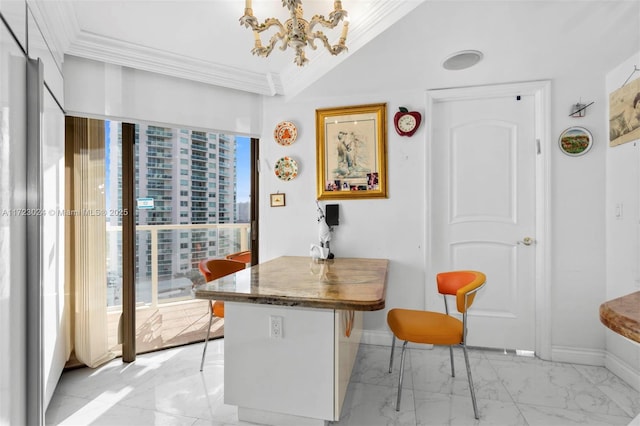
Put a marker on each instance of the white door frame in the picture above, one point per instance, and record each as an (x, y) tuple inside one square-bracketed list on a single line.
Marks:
[(541, 91)]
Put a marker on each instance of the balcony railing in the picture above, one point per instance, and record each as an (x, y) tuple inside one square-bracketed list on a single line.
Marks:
[(159, 132), (151, 288)]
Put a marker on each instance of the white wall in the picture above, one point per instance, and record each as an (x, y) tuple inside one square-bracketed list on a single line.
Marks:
[(623, 242), (100, 90), (390, 228), (394, 228), (577, 223), (577, 267)]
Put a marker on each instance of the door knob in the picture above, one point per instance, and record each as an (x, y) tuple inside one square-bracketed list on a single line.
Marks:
[(527, 241)]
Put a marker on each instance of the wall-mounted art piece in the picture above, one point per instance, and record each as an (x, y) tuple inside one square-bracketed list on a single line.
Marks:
[(286, 168), (285, 133), (575, 141), (351, 157), (624, 114), (278, 200)]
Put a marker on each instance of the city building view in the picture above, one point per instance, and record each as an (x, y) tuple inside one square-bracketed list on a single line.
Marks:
[(187, 207)]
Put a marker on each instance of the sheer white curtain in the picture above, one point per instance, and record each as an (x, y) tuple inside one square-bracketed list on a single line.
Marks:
[(87, 234)]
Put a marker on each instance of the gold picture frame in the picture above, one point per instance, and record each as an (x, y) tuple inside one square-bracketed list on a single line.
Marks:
[(277, 200), (351, 152)]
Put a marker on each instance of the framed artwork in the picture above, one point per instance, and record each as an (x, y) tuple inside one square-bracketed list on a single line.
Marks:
[(277, 200), (575, 141), (624, 114), (351, 145)]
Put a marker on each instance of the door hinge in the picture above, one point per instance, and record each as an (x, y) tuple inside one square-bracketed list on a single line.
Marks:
[(538, 146), (254, 230)]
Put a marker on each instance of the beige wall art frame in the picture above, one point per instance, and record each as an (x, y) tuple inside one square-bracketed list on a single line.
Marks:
[(624, 114)]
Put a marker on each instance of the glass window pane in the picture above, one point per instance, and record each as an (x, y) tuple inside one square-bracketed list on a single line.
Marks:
[(178, 226)]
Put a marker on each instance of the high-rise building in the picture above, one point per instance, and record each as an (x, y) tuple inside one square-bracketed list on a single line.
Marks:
[(184, 177)]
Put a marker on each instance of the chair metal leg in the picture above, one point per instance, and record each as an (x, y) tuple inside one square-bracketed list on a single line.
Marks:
[(206, 341), (404, 347), (453, 371), (473, 393), (393, 347)]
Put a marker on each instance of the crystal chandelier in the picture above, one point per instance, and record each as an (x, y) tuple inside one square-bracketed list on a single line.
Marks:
[(296, 32)]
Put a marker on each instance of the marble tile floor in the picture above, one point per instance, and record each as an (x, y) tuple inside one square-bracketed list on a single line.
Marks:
[(167, 388)]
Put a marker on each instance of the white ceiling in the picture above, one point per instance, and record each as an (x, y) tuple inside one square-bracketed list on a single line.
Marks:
[(203, 39), (521, 41), (393, 44)]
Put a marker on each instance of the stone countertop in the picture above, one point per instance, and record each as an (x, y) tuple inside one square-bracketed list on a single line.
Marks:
[(342, 283), (622, 315)]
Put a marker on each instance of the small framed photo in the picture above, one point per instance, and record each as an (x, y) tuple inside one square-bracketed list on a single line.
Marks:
[(277, 200)]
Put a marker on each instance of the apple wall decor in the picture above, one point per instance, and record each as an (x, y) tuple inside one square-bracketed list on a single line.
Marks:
[(407, 122)]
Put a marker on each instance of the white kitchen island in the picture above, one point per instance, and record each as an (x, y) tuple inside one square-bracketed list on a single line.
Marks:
[(292, 331)]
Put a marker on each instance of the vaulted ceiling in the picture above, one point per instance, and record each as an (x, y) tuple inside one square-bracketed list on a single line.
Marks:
[(395, 44)]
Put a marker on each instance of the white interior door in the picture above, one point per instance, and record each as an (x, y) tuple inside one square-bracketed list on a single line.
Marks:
[(483, 159)]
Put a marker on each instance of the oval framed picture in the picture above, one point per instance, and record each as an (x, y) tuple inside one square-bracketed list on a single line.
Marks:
[(575, 141)]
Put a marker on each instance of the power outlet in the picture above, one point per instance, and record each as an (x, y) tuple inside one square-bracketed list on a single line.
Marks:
[(275, 327)]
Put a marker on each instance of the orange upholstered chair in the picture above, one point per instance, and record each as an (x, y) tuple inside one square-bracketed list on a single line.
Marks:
[(241, 256), (213, 269), (437, 328)]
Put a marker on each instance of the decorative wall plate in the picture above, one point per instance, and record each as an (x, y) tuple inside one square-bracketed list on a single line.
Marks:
[(286, 168), (285, 133), (575, 141)]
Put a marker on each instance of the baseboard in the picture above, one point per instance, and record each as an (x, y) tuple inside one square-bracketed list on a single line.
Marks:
[(376, 337), (559, 353), (578, 355), (623, 370), (595, 357), (617, 366)]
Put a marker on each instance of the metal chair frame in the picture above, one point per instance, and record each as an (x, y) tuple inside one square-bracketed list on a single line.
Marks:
[(464, 349), (206, 341), (211, 302)]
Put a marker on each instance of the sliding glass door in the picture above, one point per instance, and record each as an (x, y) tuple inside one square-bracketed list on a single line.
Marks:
[(192, 200), (192, 203)]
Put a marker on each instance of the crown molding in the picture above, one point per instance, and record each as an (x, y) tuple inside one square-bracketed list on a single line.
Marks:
[(100, 48), (58, 24)]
